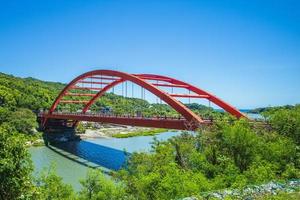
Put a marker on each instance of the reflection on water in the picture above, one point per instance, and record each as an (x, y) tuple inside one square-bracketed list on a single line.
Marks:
[(104, 156), (110, 152)]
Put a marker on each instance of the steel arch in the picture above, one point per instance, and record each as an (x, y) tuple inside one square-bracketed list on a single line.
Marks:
[(141, 80)]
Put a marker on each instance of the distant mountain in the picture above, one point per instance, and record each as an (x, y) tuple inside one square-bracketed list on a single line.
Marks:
[(264, 109)]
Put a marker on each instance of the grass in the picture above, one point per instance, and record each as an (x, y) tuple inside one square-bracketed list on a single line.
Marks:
[(140, 133)]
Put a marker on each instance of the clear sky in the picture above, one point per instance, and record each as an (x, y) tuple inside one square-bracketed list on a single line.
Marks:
[(246, 52)]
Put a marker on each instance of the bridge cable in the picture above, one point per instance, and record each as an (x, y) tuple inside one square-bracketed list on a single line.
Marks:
[(91, 84), (155, 95), (132, 88), (126, 89), (101, 81), (122, 89)]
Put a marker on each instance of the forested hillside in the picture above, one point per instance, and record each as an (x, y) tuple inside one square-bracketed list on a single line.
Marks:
[(266, 109), (27, 93)]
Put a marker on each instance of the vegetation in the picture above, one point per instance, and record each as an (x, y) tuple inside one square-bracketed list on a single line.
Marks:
[(230, 154), (140, 133), (285, 121), (225, 156), (97, 186), (27, 93), (15, 165)]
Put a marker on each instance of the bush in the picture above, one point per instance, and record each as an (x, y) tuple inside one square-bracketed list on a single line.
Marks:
[(23, 120), (51, 186), (286, 122), (96, 186), (15, 166)]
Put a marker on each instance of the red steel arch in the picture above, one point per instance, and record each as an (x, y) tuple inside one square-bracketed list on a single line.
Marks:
[(143, 81)]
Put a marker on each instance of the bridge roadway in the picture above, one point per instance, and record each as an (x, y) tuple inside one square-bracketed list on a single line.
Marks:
[(130, 120)]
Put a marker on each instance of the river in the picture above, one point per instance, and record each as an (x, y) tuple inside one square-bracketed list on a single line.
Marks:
[(105, 152)]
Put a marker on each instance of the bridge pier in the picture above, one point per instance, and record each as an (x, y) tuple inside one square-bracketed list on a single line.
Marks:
[(58, 130)]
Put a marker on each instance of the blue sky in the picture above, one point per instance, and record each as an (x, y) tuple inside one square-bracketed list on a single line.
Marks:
[(246, 52)]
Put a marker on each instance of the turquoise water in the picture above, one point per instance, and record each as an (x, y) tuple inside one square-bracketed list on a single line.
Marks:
[(70, 171), (107, 152)]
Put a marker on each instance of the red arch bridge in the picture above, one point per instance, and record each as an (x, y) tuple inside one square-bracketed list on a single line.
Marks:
[(94, 84)]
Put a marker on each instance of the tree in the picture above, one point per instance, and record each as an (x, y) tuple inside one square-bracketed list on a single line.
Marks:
[(96, 186), (4, 114), (240, 142), (286, 121), (8, 97), (23, 120), (15, 166), (51, 186)]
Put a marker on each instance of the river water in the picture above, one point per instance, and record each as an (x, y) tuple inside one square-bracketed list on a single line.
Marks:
[(73, 158)]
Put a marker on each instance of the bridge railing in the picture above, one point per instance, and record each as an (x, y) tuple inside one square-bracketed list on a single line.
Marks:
[(156, 117), (41, 114)]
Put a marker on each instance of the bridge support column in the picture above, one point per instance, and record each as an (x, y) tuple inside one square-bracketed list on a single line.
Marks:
[(59, 130)]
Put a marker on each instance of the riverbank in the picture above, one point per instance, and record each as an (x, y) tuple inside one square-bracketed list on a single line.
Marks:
[(149, 132), (118, 131), (105, 131)]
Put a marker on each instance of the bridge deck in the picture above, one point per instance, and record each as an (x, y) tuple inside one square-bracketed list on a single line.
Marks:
[(156, 122)]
